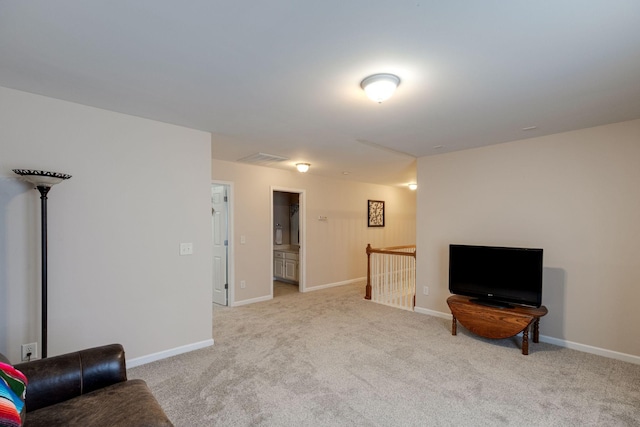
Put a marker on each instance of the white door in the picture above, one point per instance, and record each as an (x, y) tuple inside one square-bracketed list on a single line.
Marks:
[(219, 220)]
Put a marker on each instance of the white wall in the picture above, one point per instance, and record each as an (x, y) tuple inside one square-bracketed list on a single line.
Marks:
[(139, 188), (573, 194), (335, 248)]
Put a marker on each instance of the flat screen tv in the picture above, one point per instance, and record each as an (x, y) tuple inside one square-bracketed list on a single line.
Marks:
[(496, 276)]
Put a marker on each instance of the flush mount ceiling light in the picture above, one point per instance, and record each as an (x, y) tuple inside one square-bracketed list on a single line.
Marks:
[(303, 167), (413, 186), (380, 87)]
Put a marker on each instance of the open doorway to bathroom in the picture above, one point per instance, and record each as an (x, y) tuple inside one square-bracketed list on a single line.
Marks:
[(288, 241)]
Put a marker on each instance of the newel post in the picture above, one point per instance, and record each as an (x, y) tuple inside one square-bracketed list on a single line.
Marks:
[(367, 294)]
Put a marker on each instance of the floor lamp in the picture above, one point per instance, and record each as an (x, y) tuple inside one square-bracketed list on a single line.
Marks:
[(43, 182)]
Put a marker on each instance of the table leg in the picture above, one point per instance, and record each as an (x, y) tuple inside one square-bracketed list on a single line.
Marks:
[(536, 330), (454, 326), (525, 341)]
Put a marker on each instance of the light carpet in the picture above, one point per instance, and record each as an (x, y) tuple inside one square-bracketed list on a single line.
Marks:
[(331, 358)]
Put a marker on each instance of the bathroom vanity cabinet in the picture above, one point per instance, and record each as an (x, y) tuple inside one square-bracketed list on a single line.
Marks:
[(285, 265)]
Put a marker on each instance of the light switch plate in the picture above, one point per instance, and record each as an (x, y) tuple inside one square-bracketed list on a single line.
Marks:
[(186, 248)]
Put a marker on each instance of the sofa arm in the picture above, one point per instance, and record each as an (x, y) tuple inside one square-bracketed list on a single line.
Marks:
[(60, 378)]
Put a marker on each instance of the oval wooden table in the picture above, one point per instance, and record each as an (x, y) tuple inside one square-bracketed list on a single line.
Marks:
[(494, 322)]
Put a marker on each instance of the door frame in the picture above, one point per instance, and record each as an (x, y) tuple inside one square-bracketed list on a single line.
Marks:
[(302, 256), (230, 249)]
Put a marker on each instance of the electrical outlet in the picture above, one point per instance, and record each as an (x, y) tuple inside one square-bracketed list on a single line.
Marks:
[(29, 351), (425, 290), (243, 284)]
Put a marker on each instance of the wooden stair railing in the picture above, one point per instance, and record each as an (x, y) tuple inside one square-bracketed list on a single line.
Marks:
[(401, 281)]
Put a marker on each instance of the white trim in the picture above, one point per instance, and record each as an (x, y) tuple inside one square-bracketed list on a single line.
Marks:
[(432, 313), (143, 360), (593, 350), (302, 219), (557, 341), (333, 285), (252, 300), (315, 288)]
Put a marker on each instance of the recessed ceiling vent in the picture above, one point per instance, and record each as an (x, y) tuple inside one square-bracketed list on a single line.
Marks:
[(262, 159)]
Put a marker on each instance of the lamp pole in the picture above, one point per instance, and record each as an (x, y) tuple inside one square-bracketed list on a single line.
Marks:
[(43, 181), (43, 246)]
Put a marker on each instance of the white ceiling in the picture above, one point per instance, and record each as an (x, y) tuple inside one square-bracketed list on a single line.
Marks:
[(282, 77)]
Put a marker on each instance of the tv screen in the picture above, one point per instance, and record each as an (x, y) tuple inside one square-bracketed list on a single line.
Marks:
[(496, 275)]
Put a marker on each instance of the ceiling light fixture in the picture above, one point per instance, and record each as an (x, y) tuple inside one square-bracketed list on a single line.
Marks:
[(303, 167), (413, 186), (380, 87)]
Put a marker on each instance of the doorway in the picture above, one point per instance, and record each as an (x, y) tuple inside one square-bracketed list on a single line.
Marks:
[(288, 247), (220, 219)]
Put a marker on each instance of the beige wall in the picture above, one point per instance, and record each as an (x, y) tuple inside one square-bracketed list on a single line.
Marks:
[(139, 188), (335, 249), (576, 195)]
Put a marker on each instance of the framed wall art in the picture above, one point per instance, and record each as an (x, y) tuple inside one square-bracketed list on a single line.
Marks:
[(376, 213)]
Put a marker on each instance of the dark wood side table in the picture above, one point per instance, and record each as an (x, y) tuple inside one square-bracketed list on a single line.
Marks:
[(493, 322)]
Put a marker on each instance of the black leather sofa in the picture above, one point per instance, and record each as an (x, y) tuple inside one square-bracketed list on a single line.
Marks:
[(88, 388)]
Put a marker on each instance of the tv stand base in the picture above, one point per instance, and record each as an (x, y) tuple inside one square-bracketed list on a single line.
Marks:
[(495, 323)]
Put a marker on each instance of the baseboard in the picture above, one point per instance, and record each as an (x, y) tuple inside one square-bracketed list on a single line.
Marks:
[(252, 300), (556, 341), (333, 285), (432, 313), (590, 349), (132, 363), (315, 288)]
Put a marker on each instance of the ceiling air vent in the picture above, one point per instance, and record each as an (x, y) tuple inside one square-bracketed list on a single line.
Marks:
[(262, 159)]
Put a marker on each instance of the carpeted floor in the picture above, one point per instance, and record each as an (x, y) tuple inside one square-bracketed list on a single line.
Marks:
[(330, 358)]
